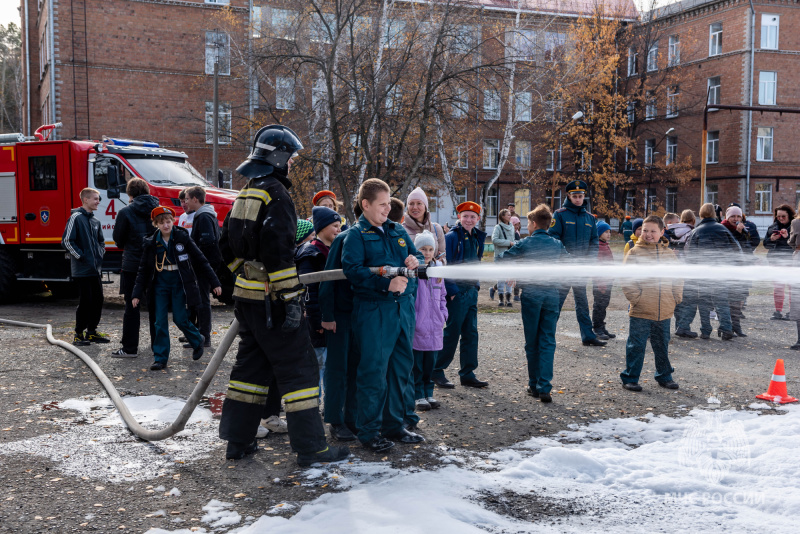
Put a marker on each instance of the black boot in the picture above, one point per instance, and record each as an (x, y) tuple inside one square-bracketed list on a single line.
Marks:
[(237, 451), (500, 298)]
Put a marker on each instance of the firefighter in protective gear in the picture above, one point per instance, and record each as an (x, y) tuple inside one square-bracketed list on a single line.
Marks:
[(258, 242)]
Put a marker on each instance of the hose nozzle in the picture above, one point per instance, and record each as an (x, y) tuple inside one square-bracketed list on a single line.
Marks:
[(391, 272)]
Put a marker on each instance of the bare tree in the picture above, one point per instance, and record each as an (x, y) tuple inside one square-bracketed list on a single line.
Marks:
[(10, 79)]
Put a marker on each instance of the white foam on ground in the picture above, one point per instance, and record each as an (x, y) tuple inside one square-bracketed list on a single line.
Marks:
[(96, 444), (709, 470)]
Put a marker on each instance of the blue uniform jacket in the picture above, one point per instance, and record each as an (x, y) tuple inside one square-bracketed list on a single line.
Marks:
[(366, 246), (454, 245), (335, 296), (577, 229), (539, 247)]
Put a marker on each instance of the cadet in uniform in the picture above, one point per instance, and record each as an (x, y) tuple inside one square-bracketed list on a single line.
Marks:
[(259, 233), (383, 319), (540, 302), (576, 228), (464, 244)]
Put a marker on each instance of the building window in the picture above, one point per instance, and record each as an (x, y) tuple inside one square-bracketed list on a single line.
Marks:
[(43, 173), (394, 34), (284, 93), (491, 153), (631, 112), (491, 105), (672, 149), (767, 88), (322, 29), (430, 156), (672, 200), (712, 194), (550, 163), (769, 31), (460, 157), (521, 45), (255, 22), (673, 95), (763, 198), (650, 109), (652, 57), (319, 95), (633, 60), (220, 2), (651, 200), (553, 111), (714, 90), (553, 46), (465, 39), (553, 198), (764, 144), (649, 151), (585, 164), (283, 23), (523, 154), (433, 204), (522, 201), (44, 54), (491, 202), (630, 202), (224, 121), (628, 159), (712, 147), (460, 104), (394, 98), (523, 107), (674, 52), (715, 39), (461, 196), (218, 50)]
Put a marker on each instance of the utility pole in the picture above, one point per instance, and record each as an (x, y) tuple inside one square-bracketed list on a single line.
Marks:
[(215, 124)]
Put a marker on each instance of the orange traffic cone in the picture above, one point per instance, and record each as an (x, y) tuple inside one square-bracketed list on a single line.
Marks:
[(777, 387)]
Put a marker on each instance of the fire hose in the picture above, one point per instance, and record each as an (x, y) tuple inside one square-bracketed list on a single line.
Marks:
[(199, 390)]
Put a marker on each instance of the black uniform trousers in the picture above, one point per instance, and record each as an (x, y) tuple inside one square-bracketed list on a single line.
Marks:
[(289, 357), (131, 319), (90, 305)]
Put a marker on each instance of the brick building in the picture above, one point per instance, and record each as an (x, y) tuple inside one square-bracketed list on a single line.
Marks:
[(133, 69), (722, 49)]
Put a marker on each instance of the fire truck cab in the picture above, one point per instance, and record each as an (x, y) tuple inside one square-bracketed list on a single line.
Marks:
[(40, 183)]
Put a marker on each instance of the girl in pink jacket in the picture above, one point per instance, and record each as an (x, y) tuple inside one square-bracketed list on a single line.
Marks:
[(431, 311)]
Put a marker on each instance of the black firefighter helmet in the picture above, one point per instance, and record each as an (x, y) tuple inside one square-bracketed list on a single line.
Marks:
[(273, 147)]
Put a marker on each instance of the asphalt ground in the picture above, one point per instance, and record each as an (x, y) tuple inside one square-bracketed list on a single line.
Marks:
[(66, 471)]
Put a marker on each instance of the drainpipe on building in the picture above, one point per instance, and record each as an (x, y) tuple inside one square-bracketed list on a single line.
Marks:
[(52, 46), (27, 72), (750, 103)]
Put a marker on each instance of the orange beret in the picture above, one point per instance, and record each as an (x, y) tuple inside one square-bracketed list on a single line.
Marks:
[(322, 194), (161, 210), (468, 206)]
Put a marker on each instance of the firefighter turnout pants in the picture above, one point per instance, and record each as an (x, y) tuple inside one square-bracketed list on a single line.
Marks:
[(289, 357)]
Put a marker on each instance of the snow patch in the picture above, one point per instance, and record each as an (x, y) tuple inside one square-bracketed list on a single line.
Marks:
[(218, 515)]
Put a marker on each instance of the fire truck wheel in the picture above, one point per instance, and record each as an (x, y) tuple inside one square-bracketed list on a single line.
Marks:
[(8, 276)]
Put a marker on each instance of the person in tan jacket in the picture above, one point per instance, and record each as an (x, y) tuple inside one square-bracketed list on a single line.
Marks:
[(653, 302)]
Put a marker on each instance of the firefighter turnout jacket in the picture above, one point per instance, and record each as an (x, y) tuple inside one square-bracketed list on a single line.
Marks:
[(259, 235)]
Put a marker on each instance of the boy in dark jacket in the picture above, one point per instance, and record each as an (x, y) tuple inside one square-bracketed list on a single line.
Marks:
[(168, 261), (541, 306), (205, 233), (132, 226), (464, 244), (311, 258), (83, 239)]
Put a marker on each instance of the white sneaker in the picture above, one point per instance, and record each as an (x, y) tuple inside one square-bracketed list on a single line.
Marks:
[(261, 432), (433, 402), (421, 405), (275, 424), (713, 315)]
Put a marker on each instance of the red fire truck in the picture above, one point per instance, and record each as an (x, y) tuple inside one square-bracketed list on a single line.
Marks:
[(40, 180)]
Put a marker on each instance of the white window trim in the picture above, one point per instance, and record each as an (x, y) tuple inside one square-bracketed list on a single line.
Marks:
[(284, 87), (633, 60), (224, 113), (652, 58), (672, 149), (674, 51), (762, 193), (767, 88), (490, 149), (712, 156), (717, 92), (760, 143), (712, 40), (777, 32)]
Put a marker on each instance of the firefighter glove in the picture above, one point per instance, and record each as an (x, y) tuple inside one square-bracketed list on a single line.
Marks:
[(294, 314)]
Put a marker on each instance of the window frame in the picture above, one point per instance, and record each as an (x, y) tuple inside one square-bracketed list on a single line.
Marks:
[(633, 60), (225, 122), (715, 39), (671, 199), (672, 149), (281, 93), (649, 151), (674, 51), (492, 110), (767, 88), (212, 47), (527, 103), (652, 58), (673, 95), (765, 36), (712, 193), (487, 151), (761, 196), (712, 147), (715, 90), (761, 143), (525, 154)]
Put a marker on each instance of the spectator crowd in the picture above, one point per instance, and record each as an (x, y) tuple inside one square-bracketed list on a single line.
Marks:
[(383, 345)]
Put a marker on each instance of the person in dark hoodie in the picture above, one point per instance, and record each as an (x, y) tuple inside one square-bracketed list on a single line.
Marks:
[(169, 260), (83, 239), (205, 233), (601, 287), (132, 226)]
